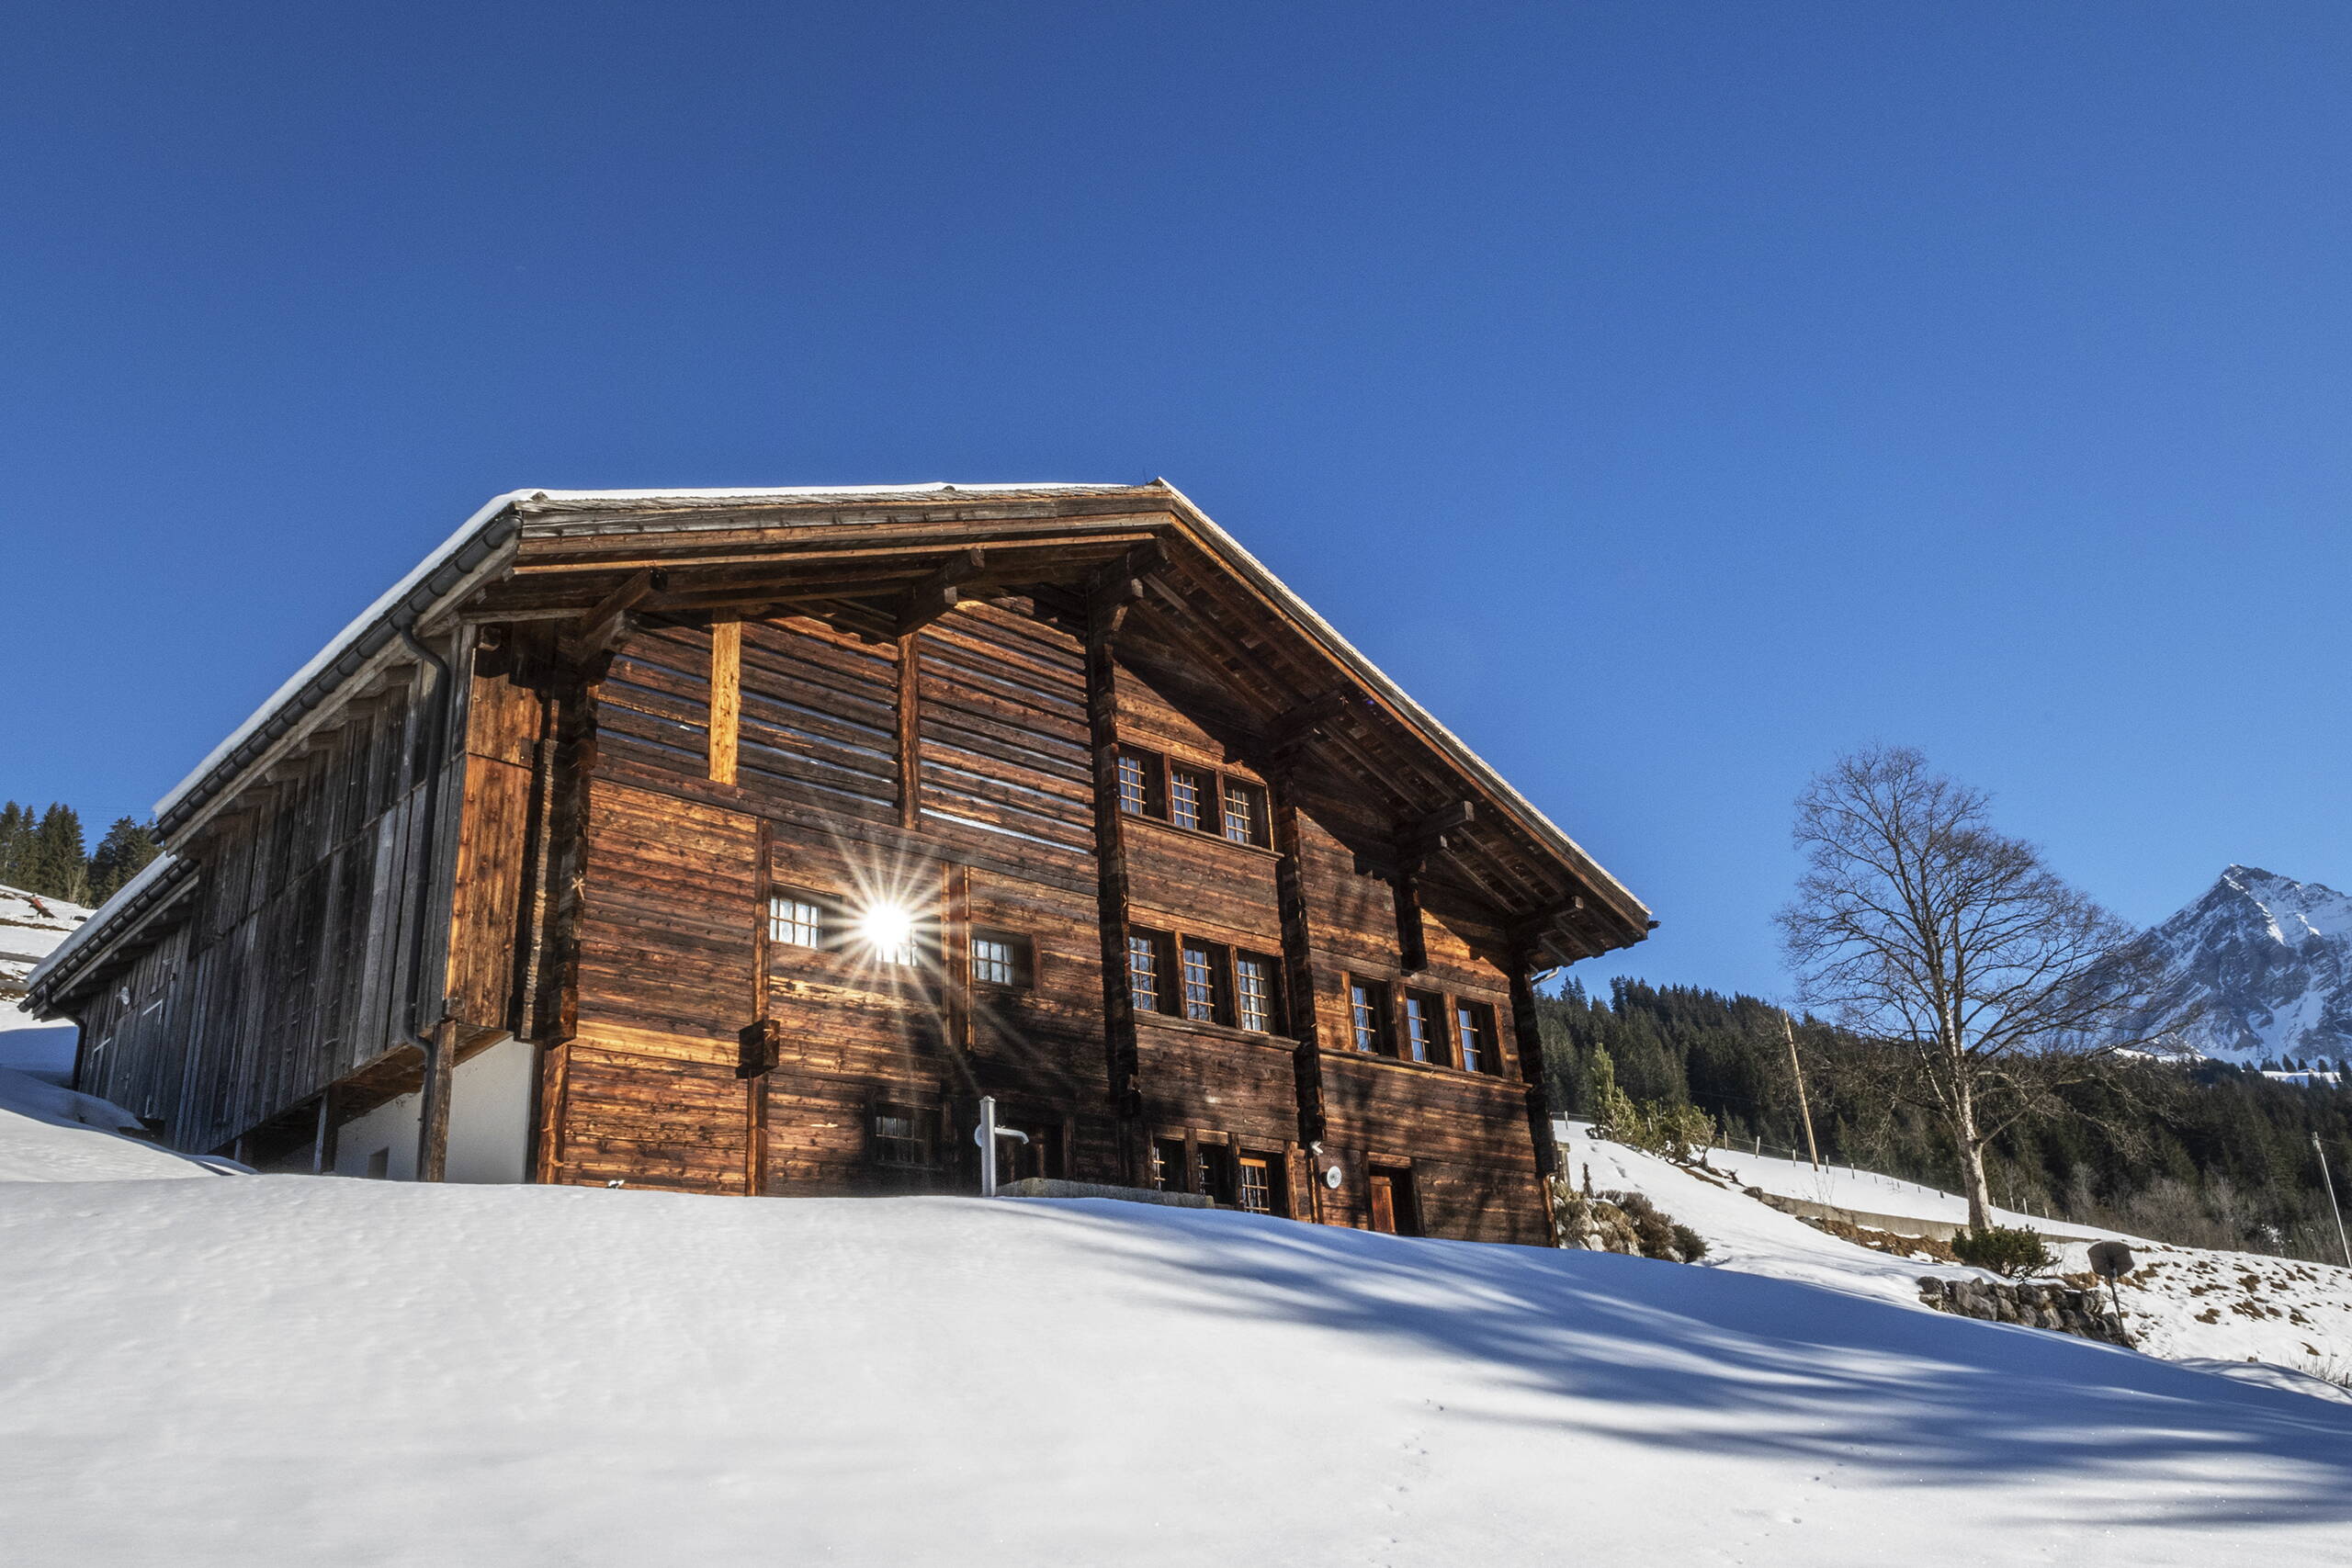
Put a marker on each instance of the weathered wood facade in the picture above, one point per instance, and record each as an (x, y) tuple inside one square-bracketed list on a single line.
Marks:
[(779, 828)]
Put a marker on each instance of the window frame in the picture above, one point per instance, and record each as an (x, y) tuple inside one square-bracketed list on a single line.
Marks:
[(1166, 984), (1251, 799), (800, 899), (1205, 789), (1369, 1005), (1275, 1165), (1021, 960), (1216, 1172), (1215, 966), (1434, 1048), (917, 1136), (1152, 769), (1475, 1018), (1271, 969)]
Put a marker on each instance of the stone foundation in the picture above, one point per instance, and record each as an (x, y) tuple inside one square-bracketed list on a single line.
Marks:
[(2059, 1307)]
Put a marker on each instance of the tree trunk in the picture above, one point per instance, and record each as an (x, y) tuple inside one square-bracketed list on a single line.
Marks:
[(1971, 1155)]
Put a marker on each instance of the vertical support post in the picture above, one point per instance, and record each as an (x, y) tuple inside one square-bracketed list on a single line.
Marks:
[(910, 731), (726, 697), (1124, 1062), (432, 1121), (1298, 965), (955, 954), (1526, 1032), (1412, 942), (322, 1137)]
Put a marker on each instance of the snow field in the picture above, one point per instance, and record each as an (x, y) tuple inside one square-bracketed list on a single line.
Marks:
[(289, 1370)]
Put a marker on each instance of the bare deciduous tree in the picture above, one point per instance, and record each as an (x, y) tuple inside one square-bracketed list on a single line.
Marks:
[(1990, 980)]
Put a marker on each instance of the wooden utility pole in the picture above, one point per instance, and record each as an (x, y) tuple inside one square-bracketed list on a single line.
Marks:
[(1812, 1149)]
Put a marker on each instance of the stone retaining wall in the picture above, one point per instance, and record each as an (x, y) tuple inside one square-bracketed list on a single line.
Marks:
[(2059, 1307)]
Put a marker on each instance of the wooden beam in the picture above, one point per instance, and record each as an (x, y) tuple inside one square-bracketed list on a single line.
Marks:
[(726, 698), (937, 593), (910, 706), (605, 624), (432, 1118), (1120, 1046), (1527, 1030), (1114, 590)]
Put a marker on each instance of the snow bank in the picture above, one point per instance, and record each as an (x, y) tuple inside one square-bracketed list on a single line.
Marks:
[(51, 1133), (290, 1369), (2182, 1302)]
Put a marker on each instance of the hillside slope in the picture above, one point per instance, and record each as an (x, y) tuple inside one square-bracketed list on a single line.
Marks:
[(289, 1370), (30, 927), (2183, 1304)]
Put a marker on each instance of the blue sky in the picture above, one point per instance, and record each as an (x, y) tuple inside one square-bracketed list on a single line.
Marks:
[(1670, 396)]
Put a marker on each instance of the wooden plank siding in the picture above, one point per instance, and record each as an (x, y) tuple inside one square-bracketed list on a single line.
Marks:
[(290, 971)]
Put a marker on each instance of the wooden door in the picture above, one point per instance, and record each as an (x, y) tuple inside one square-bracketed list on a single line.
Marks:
[(1383, 1203)]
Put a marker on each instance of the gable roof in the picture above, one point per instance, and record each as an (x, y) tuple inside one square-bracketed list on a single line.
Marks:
[(482, 556)]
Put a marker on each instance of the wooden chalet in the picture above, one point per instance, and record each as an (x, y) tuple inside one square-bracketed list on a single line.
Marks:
[(740, 841)]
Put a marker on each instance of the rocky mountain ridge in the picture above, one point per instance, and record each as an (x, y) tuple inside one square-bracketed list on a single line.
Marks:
[(2257, 967)]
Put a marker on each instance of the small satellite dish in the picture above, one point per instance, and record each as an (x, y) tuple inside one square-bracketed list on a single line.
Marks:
[(1331, 1177), (2111, 1260)]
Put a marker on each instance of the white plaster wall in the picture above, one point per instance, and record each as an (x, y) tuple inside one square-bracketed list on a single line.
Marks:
[(490, 1123), (390, 1128), (490, 1114)]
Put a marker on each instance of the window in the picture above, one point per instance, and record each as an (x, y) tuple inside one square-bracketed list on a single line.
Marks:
[(1144, 977), (1254, 985), (796, 922), (1040, 1155), (1217, 1172), (899, 1138), (1185, 789), (1245, 813), (1204, 982), (1140, 784), (1424, 1028), (1260, 1183), (998, 959), (1197, 798), (1168, 1164), (1475, 1023), (1368, 1015)]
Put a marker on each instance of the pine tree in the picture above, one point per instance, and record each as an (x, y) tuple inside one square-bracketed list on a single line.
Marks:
[(120, 855), (15, 828), (60, 868)]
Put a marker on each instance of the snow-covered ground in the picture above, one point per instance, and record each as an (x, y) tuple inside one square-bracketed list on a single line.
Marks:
[(51, 1134), (2181, 1304), (30, 927), (296, 1371), (1842, 1187)]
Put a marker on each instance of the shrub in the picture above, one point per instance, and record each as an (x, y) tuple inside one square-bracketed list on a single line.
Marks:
[(2013, 1253), (1692, 1245)]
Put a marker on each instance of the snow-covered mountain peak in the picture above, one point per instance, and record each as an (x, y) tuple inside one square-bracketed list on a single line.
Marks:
[(2259, 966), (2298, 911)]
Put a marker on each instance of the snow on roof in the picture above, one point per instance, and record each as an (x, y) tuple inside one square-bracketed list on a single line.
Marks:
[(130, 893), (464, 552), (449, 549)]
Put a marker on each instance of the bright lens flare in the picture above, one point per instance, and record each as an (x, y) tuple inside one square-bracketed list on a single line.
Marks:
[(889, 932)]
